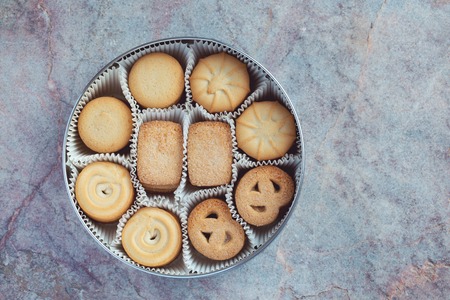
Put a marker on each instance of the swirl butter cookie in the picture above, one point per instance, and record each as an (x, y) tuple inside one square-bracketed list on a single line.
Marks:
[(261, 193), (213, 232), (265, 130), (152, 237), (220, 82), (104, 191), (156, 80), (105, 124)]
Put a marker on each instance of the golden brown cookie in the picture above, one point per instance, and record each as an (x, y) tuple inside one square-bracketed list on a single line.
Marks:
[(105, 124), (265, 130), (152, 237), (104, 191), (213, 232), (261, 193), (220, 82), (156, 80), (160, 155), (209, 153)]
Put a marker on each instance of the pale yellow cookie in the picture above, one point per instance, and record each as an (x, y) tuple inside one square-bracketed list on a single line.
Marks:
[(104, 191), (156, 80), (152, 237), (105, 124), (265, 130), (220, 82)]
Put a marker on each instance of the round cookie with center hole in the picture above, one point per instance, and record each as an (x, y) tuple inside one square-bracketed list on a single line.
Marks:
[(104, 191), (152, 237)]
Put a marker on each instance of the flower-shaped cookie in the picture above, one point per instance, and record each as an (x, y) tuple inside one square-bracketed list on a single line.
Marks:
[(220, 82), (265, 130)]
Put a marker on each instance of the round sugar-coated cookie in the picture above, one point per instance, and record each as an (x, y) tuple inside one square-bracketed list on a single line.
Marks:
[(265, 130), (213, 232), (156, 80), (104, 191), (261, 193), (152, 237), (105, 124), (220, 82)]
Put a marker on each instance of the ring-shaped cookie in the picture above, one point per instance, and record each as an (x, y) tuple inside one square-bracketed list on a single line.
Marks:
[(152, 237), (104, 191), (213, 232), (261, 193)]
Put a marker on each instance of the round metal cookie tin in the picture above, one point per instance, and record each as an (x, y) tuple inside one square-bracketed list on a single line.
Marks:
[(112, 80)]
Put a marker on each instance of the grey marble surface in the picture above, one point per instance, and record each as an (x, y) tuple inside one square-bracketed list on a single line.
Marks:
[(370, 83)]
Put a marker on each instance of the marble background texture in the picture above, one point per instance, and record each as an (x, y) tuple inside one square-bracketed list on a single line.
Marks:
[(370, 81)]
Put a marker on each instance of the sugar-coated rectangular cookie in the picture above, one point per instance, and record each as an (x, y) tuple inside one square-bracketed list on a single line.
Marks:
[(160, 155), (209, 153)]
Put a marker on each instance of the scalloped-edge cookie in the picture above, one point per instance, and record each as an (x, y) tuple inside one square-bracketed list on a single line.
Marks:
[(220, 82), (265, 130)]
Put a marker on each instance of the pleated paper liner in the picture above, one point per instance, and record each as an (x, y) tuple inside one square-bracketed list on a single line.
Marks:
[(272, 92), (106, 84), (173, 114), (176, 267), (199, 114), (104, 232), (195, 261), (176, 49), (258, 78), (260, 235)]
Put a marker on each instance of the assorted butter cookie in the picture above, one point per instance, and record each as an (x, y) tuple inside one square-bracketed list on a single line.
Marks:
[(261, 193), (220, 82), (105, 124), (152, 237), (104, 191), (265, 130), (213, 232), (156, 80)]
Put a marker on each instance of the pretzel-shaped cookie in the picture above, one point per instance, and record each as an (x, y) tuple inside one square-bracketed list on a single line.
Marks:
[(213, 232), (261, 193)]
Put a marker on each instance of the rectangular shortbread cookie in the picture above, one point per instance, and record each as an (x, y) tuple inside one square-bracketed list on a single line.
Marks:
[(160, 155), (209, 153)]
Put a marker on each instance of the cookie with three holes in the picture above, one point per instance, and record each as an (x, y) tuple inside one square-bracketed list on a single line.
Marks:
[(261, 193), (213, 232)]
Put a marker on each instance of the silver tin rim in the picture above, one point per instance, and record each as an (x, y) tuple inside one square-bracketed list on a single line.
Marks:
[(299, 182)]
